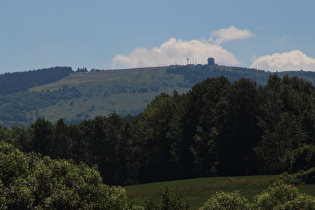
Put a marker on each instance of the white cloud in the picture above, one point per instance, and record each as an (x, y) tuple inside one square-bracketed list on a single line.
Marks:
[(229, 34), (287, 61), (177, 51)]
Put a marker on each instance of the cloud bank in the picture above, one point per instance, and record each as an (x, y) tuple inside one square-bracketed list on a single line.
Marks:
[(229, 34), (288, 61), (176, 51)]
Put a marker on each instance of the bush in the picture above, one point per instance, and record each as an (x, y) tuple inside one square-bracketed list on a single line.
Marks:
[(290, 179), (224, 200), (277, 196), (169, 200), (283, 196), (301, 202), (308, 176), (28, 181), (303, 158)]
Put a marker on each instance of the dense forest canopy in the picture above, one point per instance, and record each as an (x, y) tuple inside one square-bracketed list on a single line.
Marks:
[(218, 128)]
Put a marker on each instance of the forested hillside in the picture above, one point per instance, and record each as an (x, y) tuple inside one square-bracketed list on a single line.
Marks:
[(84, 95), (217, 128), (22, 81), (198, 73), (59, 92), (15, 106)]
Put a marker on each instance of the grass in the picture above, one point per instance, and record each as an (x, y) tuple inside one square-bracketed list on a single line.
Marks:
[(308, 189), (198, 191)]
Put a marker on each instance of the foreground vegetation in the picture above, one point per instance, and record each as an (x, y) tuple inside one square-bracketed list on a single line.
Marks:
[(29, 181), (197, 191), (277, 196), (217, 129)]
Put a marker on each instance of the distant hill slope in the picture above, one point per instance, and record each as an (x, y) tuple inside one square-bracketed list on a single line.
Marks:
[(22, 81), (197, 73), (59, 92)]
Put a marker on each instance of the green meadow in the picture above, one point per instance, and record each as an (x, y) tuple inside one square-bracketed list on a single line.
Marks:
[(197, 191)]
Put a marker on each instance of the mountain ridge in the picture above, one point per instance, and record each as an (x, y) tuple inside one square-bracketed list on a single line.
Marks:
[(79, 95)]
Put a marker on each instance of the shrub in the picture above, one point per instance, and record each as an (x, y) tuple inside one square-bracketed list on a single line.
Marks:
[(283, 196), (276, 195), (308, 176), (169, 200), (28, 181), (303, 158), (301, 202), (290, 179), (224, 200)]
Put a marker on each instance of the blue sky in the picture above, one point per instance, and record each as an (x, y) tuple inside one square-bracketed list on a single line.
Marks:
[(107, 34)]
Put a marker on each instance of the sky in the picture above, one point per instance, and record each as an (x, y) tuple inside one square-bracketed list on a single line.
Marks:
[(271, 35)]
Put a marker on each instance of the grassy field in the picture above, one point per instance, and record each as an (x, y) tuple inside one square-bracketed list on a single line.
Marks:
[(197, 191)]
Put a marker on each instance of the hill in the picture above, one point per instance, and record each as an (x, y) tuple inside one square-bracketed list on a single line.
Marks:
[(60, 92), (22, 81)]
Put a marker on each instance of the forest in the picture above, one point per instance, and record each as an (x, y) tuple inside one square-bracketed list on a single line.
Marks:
[(22, 81), (16, 105), (218, 128)]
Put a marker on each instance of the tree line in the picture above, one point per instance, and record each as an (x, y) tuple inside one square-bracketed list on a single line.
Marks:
[(218, 128)]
